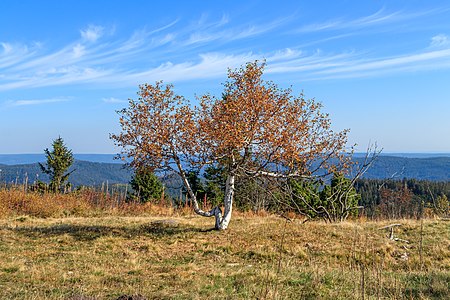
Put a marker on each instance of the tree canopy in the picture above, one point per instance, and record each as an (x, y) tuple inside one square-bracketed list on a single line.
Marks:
[(254, 129)]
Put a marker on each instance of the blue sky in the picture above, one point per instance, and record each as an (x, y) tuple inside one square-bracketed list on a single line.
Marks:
[(381, 68)]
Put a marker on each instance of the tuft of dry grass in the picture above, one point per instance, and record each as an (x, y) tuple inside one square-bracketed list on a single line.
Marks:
[(16, 201), (259, 257)]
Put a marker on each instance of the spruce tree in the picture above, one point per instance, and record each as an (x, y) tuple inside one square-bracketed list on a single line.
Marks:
[(146, 186), (58, 162)]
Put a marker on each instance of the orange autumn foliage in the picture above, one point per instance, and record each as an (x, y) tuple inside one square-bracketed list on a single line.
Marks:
[(254, 129)]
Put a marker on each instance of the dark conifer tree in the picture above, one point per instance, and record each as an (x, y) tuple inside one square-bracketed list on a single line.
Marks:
[(59, 161)]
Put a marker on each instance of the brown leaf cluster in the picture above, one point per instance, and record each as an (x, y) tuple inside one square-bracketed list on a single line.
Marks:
[(254, 126)]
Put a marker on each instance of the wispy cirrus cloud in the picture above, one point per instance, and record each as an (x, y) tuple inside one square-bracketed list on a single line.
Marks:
[(125, 61), (29, 102), (380, 17), (92, 33), (425, 60), (7, 48), (78, 51), (342, 23), (113, 100), (13, 54), (203, 31), (440, 40), (203, 49)]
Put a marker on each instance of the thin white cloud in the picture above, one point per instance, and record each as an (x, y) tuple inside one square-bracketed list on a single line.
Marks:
[(205, 32), (40, 60), (165, 39), (252, 30), (305, 63), (416, 60), (284, 54), (141, 37), (92, 33), (15, 54), (7, 48), (162, 28), (259, 29), (113, 100), (35, 101), (209, 65), (198, 37), (203, 50), (115, 60), (327, 25), (378, 18), (225, 20), (336, 24), (78, 51), (310, 66), (440, 40)]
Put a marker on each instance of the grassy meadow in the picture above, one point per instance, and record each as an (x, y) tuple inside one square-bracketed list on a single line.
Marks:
[(161, 253)]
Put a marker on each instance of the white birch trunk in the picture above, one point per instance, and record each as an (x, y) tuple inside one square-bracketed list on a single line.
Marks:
[(228, 202), (216, 211), (221, 221)]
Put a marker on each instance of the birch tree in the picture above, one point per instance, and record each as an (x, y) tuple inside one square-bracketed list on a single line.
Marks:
[(254, 129), (160, 132)]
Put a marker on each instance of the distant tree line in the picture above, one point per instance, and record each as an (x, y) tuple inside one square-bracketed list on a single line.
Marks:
[(332, 201), (373, 198), (407, 198)]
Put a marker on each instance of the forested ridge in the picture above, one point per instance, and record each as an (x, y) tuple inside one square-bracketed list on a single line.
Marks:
[(84, 173), (402, 198), (95, 173)]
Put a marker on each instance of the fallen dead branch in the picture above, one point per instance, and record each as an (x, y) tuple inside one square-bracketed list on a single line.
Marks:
[(391, 234)]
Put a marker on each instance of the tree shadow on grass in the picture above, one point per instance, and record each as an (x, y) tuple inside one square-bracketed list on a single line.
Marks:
[(156, 229)]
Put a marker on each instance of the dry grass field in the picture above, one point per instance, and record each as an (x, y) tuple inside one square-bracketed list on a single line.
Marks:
[(259, 257), (93, 246)]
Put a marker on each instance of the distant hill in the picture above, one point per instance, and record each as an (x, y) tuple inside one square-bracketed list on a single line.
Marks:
[(19, 159), (84, 173), (432, 168), (95, 173), (408, 155)]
